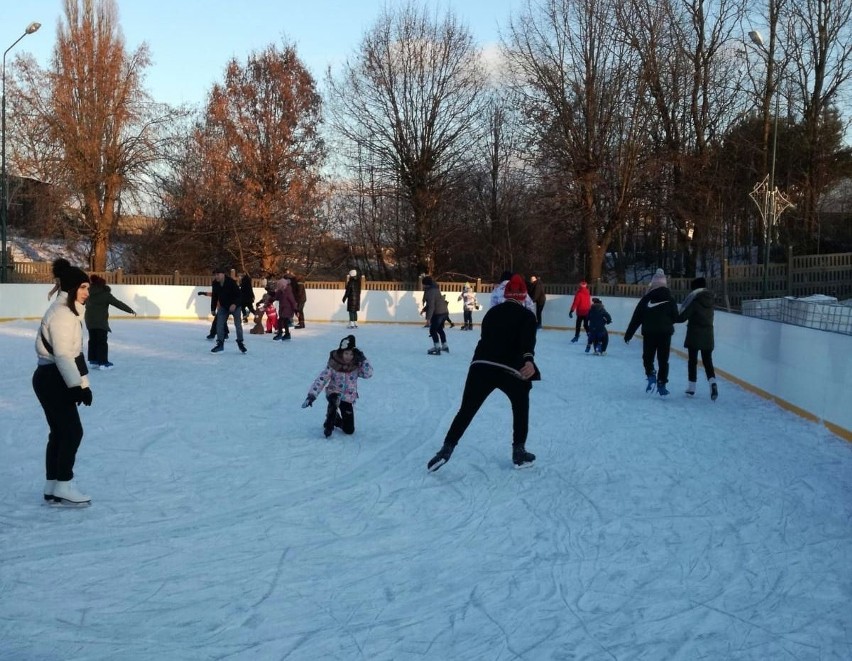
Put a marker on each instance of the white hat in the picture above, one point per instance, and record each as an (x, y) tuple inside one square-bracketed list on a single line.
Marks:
[(658, 279), (353, 273)]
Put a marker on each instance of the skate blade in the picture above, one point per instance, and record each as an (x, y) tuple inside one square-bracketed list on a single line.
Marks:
[(436, 465), (526, 464), (70, 504)]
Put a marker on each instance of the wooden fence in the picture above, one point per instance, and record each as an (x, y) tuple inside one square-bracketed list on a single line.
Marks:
[(800, 276)]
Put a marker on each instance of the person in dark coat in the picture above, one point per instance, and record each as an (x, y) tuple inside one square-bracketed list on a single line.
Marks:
[(436, 310), (97, 321), (246, 297), (213, 295), (657, 313), (301, 297), (598, 335), (537, 294), (503, 360), (352, 298), (697, 312), (228, 305), (286, 308)]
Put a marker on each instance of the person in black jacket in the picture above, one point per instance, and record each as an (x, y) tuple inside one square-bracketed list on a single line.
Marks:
[(228, 304), (246, 297), (697, 312), (598, 336), (503, 360), (213, 295), (657, 313), (537, 294), (352, 298)]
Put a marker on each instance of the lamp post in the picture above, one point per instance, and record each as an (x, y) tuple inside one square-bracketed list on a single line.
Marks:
[(4, 182), (770, 211)]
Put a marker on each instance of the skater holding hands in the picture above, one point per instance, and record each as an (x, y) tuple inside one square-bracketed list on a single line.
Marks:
[(339, 379)]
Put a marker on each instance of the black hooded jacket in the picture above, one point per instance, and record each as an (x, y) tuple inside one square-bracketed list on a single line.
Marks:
[(656, 312)]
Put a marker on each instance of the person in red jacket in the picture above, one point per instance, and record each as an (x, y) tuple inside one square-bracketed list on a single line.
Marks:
[(582, 305)]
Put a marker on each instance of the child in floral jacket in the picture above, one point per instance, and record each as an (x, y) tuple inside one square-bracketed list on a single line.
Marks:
[(346, 365)]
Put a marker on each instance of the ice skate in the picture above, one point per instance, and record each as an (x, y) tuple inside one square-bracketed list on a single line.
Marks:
[(652, 382), (241, 346), (65, 494), (661, 389), (521, 458), (220, 346), (714, 392), (441, 458)]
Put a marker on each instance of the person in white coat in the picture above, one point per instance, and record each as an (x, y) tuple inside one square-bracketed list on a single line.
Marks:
[(61, 384)]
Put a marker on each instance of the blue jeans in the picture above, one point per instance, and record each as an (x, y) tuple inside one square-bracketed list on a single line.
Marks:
[(222, 315)]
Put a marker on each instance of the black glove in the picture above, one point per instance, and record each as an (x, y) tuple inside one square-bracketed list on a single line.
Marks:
[(358, 357), (80, 395), (570, 315), (309, 401)]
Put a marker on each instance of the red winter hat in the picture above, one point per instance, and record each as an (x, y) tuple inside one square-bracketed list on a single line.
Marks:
[(516, 289)]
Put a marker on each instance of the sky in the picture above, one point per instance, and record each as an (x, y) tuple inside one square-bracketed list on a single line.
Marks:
[(192, 40), (223, 524)]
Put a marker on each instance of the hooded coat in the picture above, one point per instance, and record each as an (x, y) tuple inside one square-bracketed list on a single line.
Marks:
[(697, 312), (352, 294), (97, 307), (656, 312)]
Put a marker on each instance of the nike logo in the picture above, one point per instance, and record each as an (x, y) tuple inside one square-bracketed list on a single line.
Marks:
[(653, 305)]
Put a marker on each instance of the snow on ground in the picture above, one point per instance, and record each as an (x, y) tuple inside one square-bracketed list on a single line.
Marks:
[(224, 526)]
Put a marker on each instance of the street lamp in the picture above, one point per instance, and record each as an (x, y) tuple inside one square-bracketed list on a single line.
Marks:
[(770, 212), (4, 183)]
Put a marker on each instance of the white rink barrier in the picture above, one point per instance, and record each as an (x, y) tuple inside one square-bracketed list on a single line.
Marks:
[(804, 370)]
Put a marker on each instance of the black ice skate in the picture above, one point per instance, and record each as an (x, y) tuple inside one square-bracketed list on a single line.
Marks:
[(440, 459), (521, 458)]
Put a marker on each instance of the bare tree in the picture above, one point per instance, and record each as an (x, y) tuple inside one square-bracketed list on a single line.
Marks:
[(580, 92), (92, 129), (410, 101), (247, 181), (819, 43)]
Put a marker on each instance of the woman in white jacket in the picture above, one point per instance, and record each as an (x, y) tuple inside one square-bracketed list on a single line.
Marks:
[(61, 384)]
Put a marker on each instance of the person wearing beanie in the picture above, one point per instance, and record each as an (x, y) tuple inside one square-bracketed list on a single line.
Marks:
[(97, 321), (504, 359), (61, 384), (697, 312), (436, 310), (581, 304), (656, 312), (497, 293), (339, 379), (658, 280), (352, 298), (599, 318)]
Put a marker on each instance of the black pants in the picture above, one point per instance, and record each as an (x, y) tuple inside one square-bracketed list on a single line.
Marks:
[(599, 337), (481, 381), (300, 314), (539, 308), (98, 346), (657, 345), (584, 320), (63, 419), (692, 364), (436, 328), (347, 414), (468, 317)]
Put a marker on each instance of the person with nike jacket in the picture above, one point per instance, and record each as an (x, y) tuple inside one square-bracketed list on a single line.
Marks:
[(656, 313)]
